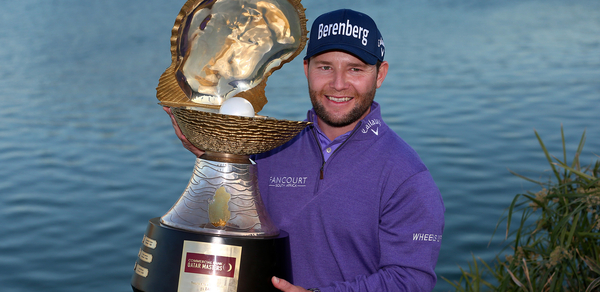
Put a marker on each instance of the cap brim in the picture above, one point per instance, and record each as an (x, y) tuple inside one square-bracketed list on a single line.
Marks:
[(357, 52)]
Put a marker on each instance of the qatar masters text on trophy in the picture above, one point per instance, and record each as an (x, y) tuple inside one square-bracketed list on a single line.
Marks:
[(218, 235)]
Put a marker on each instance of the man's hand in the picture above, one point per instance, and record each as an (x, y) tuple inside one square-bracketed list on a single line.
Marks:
[(180, 135), (285, 286)]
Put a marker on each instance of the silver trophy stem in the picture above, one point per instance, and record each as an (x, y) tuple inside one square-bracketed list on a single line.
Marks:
[(222, 197)]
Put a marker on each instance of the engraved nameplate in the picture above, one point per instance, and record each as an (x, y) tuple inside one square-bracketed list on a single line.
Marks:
[(144, 256), (141, 270), (150, 243), (209, 267)]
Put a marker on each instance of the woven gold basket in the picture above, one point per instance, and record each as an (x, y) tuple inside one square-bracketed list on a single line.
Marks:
[(235, 134)]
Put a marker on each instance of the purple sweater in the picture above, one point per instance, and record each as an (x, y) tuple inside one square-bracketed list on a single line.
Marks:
[(369, 219)]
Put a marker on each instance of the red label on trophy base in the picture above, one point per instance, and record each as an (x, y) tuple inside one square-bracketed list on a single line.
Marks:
[(210, 265)]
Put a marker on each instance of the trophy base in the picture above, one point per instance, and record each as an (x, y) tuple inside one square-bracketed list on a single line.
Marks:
[(176, 260)]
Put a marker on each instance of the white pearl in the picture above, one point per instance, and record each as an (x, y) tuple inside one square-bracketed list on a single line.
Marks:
[(237, 106)]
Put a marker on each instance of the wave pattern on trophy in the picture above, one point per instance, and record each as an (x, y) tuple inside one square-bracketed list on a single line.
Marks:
[(220, 198)]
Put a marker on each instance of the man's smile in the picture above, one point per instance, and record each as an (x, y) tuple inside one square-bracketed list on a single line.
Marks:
[(338, 99)]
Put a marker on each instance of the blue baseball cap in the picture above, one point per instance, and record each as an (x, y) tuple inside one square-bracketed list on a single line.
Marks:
[(349, 31)]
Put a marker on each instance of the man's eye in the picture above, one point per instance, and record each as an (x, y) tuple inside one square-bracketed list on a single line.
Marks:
[(326, 67)]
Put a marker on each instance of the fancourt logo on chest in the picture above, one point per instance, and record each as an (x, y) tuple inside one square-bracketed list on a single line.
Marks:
[(287, 181)]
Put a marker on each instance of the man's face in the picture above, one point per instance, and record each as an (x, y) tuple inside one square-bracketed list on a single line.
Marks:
[(342, 87)]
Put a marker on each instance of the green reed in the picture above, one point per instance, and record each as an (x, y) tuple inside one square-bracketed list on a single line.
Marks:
[(552, 235)]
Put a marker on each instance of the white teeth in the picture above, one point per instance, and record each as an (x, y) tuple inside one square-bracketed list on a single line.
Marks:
[(338, 99)]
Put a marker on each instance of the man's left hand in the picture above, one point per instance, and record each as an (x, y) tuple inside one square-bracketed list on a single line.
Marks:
[(286, 286)]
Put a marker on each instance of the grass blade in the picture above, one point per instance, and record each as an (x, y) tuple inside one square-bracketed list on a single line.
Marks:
[(509, 216), (547, 155)]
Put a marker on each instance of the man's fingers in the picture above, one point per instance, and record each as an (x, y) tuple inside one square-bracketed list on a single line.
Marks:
[(186, 143), (285, 286), (281, 284), (174, 123)]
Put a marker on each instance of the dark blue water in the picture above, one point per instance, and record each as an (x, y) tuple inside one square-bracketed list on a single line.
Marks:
[(87, 156)]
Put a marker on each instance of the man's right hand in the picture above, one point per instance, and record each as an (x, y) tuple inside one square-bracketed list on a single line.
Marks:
[(286, 286), (186, 143)]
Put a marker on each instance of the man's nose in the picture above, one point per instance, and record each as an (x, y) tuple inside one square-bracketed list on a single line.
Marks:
[(339, 81)]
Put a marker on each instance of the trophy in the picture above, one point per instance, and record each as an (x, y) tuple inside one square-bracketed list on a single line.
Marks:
[(218, 235)]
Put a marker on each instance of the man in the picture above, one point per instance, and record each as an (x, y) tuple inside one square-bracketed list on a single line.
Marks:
[(362, 210)]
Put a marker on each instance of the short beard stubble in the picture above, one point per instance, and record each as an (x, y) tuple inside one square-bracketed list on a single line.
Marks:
[(354, 115)]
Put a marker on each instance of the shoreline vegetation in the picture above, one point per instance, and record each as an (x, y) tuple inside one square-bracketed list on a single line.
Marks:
[(552, 235)]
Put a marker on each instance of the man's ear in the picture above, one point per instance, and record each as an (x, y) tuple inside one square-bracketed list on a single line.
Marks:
[(383, 70), (306, 68)]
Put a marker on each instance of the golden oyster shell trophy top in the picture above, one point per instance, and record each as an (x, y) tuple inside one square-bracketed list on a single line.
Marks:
[(226, 48)]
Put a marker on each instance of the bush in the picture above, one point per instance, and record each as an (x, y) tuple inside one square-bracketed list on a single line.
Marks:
[(556, 244)]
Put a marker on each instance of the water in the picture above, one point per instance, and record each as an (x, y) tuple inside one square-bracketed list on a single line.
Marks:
[(87, 156)]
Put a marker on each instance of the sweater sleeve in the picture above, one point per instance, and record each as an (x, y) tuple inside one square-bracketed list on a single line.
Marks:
[(410, 233)]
